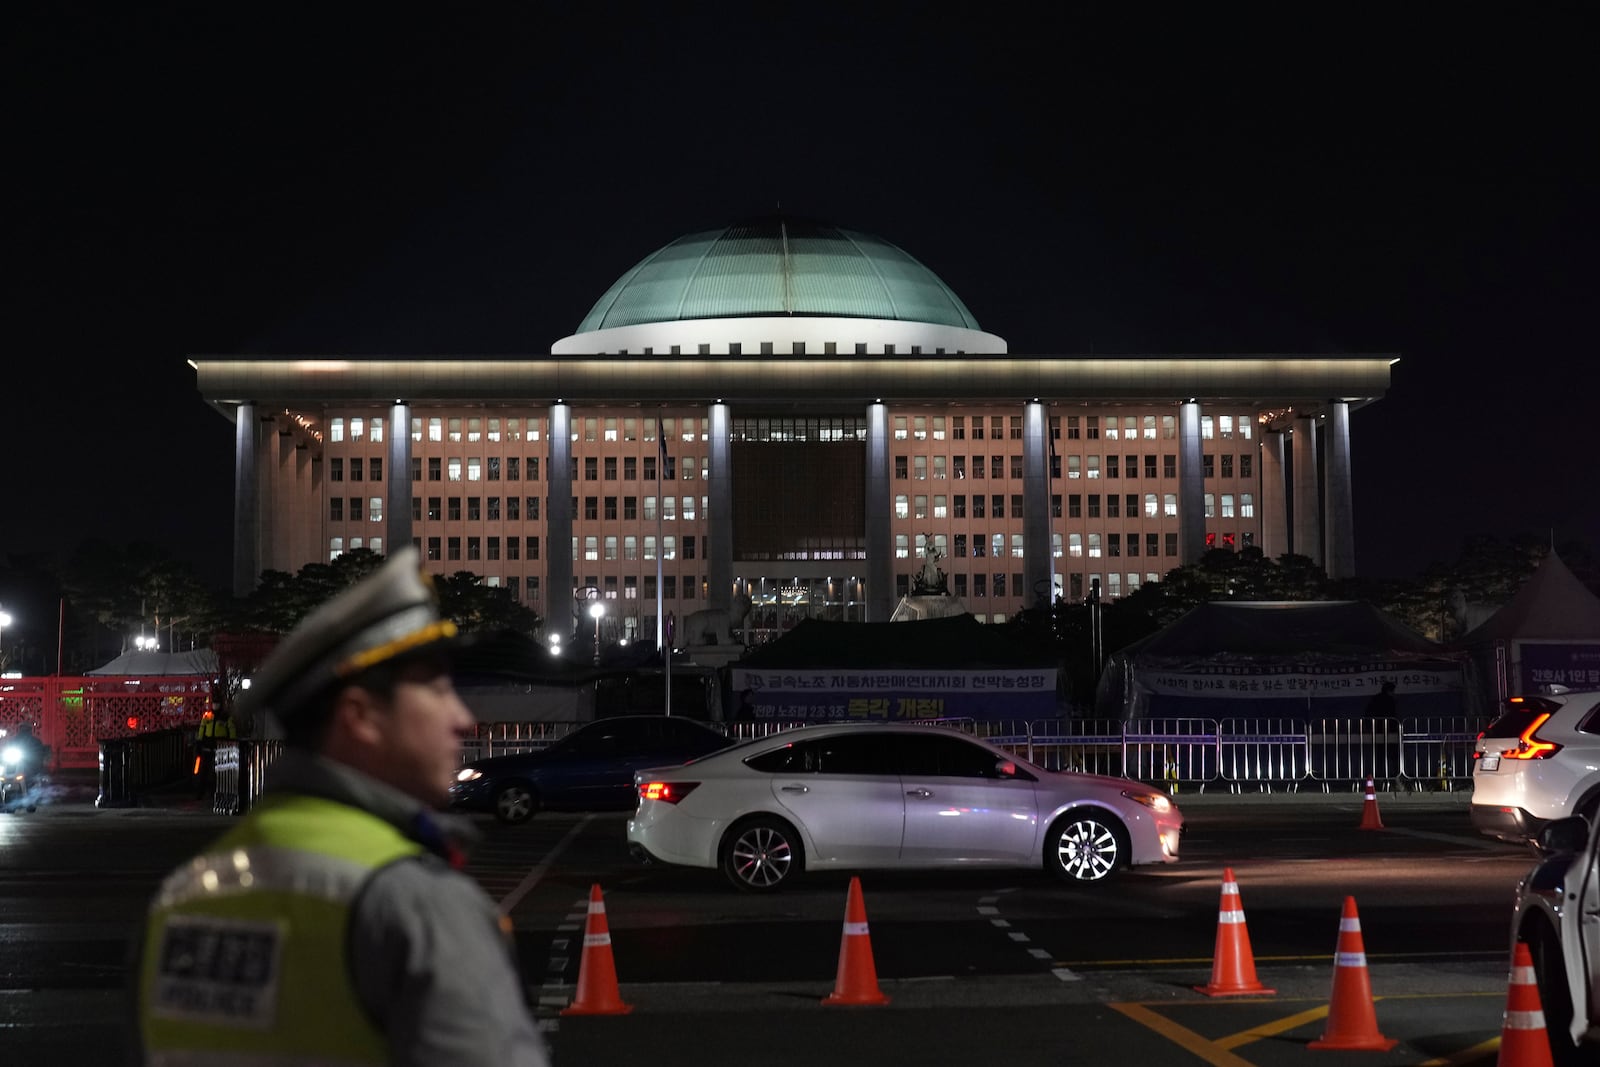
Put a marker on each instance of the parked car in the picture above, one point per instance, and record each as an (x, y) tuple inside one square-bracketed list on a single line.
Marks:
[(857, 796), (1558, 915), (590, 769), (1538, 762)]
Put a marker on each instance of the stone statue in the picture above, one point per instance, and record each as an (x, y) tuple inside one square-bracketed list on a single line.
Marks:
[(714, 626), (930, 581)]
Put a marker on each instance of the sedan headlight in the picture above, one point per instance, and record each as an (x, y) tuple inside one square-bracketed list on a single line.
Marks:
[(12, 754), (468, 774), (1154, 801)]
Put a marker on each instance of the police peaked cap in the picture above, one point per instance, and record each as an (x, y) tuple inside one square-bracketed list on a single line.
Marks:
[(390, 614)]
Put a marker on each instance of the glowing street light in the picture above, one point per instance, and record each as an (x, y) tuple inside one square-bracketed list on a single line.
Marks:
[(598, 611), (5, 620)]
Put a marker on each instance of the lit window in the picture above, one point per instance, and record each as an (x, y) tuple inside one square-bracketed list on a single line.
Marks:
[(1211, 505), (1094, 466), (1169, 504), (669, 547), (455, 429), (591, 547), (1075, 545), (938, 427), (375, 509), (436, 429), (902, 506), (1055, 545), (1225, 427), (1074, 466), (611, 546), (1247, 506), (454, 468), (377, 429), (902, 546), (335, 548), (688, 509), (1094, 546), (921, 510), (474, 469), (1149, 427), (1227, 505), (1208, 429), (358, 428), (1151, 510), (939, 508), (474, 429), (611, 428), (920, 467), (669, 509), (938, 468), (335, 430), (1016, 546)]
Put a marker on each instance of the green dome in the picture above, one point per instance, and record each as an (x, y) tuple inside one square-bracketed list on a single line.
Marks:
[(778, 266)]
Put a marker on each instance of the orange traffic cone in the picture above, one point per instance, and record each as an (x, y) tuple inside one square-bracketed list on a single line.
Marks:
[(1523, 1040), (597, 972), (1352, 1022), (1369, 810), (1233, 967), (857, 982)]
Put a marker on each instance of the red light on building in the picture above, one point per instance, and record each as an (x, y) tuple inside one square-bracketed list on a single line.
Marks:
[(133, 722)]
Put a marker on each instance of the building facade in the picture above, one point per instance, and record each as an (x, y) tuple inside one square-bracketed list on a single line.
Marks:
[(798, 414)]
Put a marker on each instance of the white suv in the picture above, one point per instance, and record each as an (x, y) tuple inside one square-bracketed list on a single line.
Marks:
[(1538, 762), (1558, 915)]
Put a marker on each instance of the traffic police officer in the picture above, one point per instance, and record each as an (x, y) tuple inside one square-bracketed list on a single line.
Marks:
[(331, 926)]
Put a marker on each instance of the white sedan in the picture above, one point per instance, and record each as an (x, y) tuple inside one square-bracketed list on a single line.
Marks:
[(881, 795)]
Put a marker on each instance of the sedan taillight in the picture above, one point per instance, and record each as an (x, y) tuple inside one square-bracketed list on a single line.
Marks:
[(1529, 746), (666, 792)]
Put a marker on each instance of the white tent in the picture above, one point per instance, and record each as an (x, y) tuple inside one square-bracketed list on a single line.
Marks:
[(144, 663), (1548, 633)]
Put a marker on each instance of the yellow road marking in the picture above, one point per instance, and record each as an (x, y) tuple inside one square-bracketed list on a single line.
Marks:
[(1467, 1055), (1181, 1036), (1272, 1029)]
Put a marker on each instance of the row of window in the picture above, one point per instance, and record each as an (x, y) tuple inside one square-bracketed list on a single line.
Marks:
[(597, 468), (494, 428), (629, 547), (1110, 506), (918, 467)]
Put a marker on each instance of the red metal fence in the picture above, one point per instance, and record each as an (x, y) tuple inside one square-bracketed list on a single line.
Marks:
[(72, 715)]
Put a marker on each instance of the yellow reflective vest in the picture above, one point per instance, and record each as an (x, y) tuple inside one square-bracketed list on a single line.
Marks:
[(244, 957)]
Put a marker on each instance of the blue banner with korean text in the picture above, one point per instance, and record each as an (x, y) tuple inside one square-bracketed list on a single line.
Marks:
[(897, 693), (1574, 665)]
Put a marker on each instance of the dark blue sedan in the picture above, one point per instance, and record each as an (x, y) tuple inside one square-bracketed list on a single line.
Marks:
[(590, 769)]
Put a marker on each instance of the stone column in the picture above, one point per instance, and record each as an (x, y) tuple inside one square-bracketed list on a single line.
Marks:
[(719, 550), (1274, 516), (1339, 539), (246, 500), (880, 594), (1036, 561), (558, 524), (1307, 534), (1191, 486), (398, 499)]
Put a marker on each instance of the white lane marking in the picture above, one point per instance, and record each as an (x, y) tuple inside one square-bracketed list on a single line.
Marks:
[(1040, 953), (1066, 975), (532, 878), (1017, 935), (988, 910), (1002, 923)]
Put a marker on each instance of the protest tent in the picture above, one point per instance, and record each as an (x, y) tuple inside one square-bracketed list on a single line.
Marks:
[(1282, 659), (1548, 633)]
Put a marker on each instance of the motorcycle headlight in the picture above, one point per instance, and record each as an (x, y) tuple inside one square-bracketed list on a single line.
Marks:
[(468, 774), (11, 755)]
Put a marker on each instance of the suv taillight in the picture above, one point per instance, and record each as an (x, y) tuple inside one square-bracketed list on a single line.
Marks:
[(1529, 746), (666, 792)]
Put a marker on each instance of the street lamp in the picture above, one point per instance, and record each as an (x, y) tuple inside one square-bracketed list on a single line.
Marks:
[(5, 620), (597, 610)]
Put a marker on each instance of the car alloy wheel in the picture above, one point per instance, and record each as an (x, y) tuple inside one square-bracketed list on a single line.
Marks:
[(760, 855), (1087, 848), (514, 803)]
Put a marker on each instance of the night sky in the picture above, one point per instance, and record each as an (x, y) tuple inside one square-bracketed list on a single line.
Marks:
[(316, 181)]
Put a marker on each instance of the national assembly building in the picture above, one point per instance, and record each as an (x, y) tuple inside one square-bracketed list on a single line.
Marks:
[(797, 413)]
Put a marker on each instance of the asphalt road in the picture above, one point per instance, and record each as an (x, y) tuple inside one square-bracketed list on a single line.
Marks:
[(981, 967)]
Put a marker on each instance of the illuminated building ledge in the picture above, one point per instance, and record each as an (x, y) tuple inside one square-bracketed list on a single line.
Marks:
[(226, 381)]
